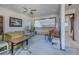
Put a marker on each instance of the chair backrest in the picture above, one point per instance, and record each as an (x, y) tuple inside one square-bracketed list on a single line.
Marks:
[(54, 32)]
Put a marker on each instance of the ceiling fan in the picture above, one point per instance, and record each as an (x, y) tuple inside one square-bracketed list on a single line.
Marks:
[(29, 11)]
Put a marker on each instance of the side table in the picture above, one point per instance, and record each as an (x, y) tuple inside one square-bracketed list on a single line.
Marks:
[(4, 47)]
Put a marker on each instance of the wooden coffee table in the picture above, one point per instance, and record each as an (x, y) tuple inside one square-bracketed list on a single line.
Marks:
[(18, 41)]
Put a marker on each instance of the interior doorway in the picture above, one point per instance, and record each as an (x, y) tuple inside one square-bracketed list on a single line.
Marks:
[(1, 27), (69, 23)]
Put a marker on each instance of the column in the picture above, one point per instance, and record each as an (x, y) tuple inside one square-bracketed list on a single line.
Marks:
[(62, 27)]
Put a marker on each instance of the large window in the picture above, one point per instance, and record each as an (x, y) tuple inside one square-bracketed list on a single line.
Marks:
[(51, 22)]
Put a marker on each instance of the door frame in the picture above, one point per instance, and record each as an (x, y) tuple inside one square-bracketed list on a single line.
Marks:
[(72, 19)]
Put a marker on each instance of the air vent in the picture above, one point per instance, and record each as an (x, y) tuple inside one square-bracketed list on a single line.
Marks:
[(69, 4)]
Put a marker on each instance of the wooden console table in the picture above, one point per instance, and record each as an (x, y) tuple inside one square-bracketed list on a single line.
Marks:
[(18, 41)]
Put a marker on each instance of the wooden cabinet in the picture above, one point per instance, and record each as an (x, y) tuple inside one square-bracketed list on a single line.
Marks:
[(1, 25)]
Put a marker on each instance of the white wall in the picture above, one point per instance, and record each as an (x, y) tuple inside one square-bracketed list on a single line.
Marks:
[(76, 25), (6, 13), (70, 11), (76, 22)]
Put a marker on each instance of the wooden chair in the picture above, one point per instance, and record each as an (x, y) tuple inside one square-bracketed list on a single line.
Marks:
[(53, 33)]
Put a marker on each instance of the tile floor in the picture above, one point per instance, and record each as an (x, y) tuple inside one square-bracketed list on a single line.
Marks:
[(39, 46)]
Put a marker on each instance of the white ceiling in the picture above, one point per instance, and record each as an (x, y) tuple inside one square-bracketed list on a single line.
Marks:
[(42, 9)]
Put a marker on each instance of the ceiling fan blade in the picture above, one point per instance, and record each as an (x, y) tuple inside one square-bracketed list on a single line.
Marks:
[(33, 10), (25, 9)]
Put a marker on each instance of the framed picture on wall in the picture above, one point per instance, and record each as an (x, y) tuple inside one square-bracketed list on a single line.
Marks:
[(15, 22)]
